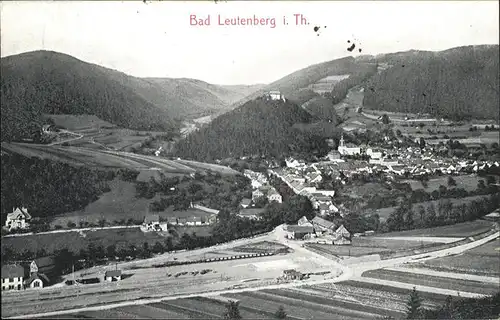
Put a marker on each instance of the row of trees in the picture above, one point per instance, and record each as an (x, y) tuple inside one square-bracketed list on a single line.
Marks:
[(462, 308), (405, 217)]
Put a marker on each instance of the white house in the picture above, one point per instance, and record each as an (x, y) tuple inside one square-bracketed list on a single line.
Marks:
[(245, 202), (293, 163), (347, 150), (18, 219), (12, 277), (373, 153), (152, 223), (342, 236), (273, 195)]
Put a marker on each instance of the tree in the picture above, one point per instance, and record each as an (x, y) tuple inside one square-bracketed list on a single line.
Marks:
[(71, 224), (396, 220), (490, 180), (409, 221), (111, 251), (430, 219), (413, 305), (280, 314), (451, 182), (385, 119), (421, 143), (481, 185), (232, 311)]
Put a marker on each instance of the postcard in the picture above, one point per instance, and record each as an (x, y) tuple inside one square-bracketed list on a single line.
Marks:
[(250, 159)]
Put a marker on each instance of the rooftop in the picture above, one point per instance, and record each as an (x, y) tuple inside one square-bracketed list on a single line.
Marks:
[(12, 271), (113, 273), (323, 223), (251, 212), (300, 229)]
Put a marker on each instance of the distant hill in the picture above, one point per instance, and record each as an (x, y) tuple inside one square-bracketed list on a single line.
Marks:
[(196, 98), (459, 83), (47, 82), (259, 127)]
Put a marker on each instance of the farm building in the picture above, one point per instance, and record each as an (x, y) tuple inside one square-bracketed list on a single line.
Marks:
[(172, 221), (342, 236), (113, 275), (292, 274), (17, 219), (322, 226), (245, 203), (299, 232), (304, 222), (152, 223), (273, 195), (44, 265), (36, 281), (251, 213), (12, 277)]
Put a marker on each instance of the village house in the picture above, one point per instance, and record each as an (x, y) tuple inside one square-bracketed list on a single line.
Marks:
[(151, 223), (256, 194), (327, 208), (172, 221), (251, 213), (113, 275), (293, 163), (182, 221), (245, 202), (18, 219), (314, 177), (334, 155), (267, 191), (374, 153), (273, 195), (292, 274), (12, 277), (322, 226), (304, 222), (40, 272), (296, 232), (342, 236), (348, 149)]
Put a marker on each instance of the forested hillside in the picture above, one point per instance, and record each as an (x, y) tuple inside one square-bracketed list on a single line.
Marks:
[(259, 127), (47, 187), (40, 82), (46, 82), (460, 83)]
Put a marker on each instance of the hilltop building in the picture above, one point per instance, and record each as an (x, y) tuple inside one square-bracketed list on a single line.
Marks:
[(275, 95)]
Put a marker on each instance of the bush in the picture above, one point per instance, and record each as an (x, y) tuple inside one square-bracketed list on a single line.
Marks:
[(58, 227), (71, 224)]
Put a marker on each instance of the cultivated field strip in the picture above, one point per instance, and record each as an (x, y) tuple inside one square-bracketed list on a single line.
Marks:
[(109, 314), (294, 311), (434, 281), (152, 312), (336, 306), (368, 297)]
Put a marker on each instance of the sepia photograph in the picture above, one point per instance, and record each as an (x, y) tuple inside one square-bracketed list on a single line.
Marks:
[(225, 159)]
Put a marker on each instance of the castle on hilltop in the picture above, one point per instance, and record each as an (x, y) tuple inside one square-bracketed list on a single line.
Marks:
[(274, 95)]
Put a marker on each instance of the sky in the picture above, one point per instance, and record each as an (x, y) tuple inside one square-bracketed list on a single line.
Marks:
[(156, 39)]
